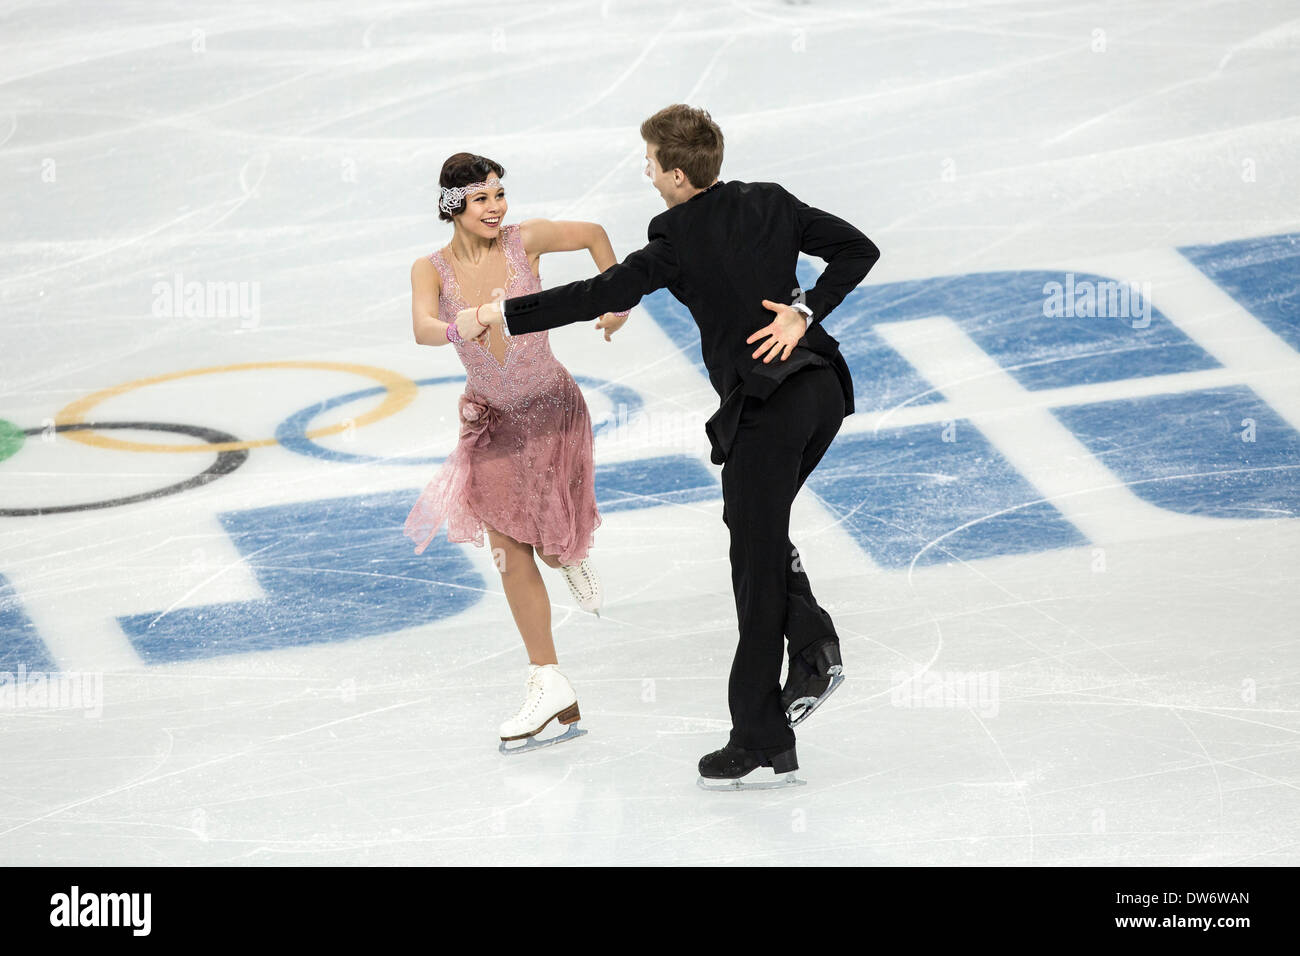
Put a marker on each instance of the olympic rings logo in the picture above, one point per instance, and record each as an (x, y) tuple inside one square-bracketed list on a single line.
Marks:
[(294, 433), (399, 391)]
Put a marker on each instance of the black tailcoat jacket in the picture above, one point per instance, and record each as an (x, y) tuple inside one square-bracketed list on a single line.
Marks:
[(721, 253)]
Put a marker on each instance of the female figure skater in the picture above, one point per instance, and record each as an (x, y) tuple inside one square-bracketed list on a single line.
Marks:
[(522, 469)]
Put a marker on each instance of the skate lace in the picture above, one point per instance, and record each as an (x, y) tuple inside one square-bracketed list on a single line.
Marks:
[(580, 578), (532, 695)]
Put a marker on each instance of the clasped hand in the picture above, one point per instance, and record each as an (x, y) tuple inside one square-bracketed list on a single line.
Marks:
[(477, 320)]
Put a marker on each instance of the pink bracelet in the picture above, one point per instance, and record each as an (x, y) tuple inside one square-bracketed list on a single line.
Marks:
[(622, 315), (453, 333)]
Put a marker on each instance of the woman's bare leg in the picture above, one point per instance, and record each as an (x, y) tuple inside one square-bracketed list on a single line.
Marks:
[(526, 594), (550, 560)]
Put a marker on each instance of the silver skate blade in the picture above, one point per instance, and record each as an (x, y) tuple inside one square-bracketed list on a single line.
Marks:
[(512, 747), (802, 708), (740, 783)]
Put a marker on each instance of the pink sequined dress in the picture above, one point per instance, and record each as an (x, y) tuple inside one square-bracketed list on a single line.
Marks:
[(523, 464)]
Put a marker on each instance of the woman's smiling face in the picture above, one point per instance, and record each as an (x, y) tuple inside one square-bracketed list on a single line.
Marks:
[(485, 209)]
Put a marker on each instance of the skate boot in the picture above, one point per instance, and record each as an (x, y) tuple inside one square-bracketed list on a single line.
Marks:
[(547, 695), (723, 769), (814, 675), (584, 585)]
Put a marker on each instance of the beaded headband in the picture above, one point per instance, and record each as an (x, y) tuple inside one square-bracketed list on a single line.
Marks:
[(453, 195)]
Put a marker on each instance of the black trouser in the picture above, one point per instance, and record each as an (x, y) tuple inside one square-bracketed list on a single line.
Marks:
[(776, 447)]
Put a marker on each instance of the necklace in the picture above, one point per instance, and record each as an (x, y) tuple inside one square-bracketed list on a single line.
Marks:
[(478, 290), (478, 294)]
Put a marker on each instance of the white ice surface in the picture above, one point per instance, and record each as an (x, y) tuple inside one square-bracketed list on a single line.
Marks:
[(297, 145)]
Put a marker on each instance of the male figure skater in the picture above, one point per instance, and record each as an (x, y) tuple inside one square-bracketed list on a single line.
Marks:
[(728, 251)]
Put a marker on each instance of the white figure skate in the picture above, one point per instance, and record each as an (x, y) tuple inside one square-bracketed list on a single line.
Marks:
[(584, 585), (548, 695)]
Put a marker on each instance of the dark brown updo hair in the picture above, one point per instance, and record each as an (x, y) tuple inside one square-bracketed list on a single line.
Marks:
[(461, 170)]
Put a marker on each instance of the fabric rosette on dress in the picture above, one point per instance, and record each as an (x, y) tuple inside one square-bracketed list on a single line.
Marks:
[(477, 419)]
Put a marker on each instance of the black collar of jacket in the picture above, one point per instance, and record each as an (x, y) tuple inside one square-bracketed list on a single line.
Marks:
[(656, 224), (708, 189)]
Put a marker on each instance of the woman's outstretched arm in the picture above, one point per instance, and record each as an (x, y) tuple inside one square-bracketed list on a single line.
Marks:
[(545, 235), (541, 236)]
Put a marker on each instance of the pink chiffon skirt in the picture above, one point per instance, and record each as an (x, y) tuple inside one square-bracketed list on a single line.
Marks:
[(525, 471)]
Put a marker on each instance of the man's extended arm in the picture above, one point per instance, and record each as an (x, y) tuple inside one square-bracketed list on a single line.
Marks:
[(849, 256), (619, 287)]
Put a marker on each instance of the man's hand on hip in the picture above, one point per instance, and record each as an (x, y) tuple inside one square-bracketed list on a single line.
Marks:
[(782, 335)]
